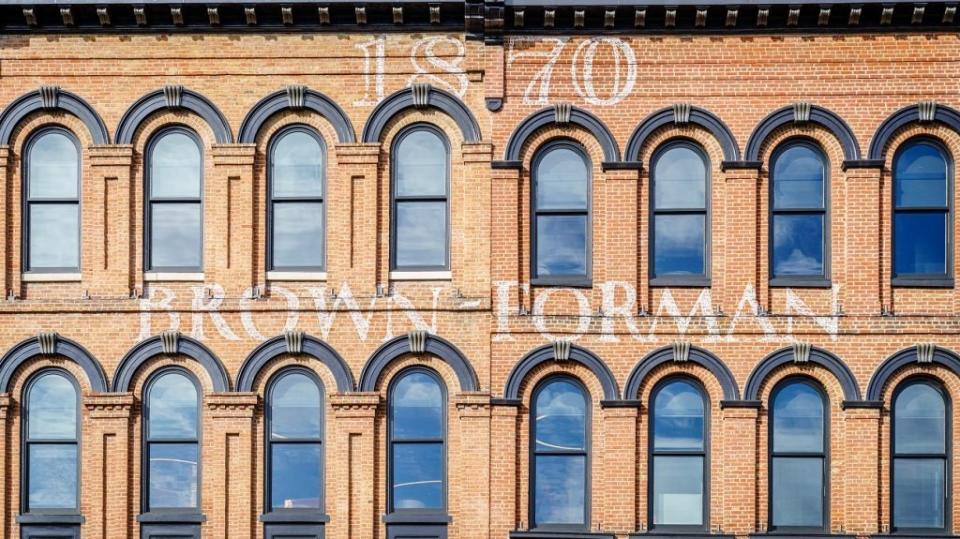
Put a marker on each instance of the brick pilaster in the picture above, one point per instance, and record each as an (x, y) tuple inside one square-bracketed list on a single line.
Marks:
[(619, 469), (863, 283), (470, 222), (469, 485), (8, 503), (229, 256), (353, 219), (352, 503), (106, 487), (616, 227), (107, 264), (739, 476), (506, 220), (504, 512), (743, 263), (862, 470), (228, 480)]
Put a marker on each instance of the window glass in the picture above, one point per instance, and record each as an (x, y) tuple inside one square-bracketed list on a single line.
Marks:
[(421, 233), (918, 493), (680, 244), (920, 457), (175, 167), (920, 176), (173, 407), (53, 476), (680, 179), (920, 414), (50, 443), (175, 239), (417, 454), (799, 216), (562, 179), (560, 489), (678, 491), (53, 167), (298, 234), (52, 406), (417, 407), (679, 207), (559, 445), (298, 165), (797, 485), (561, 220), (920, 242), (421, 166), (678, 417), (418, 476), (295, 479), (922, 217), (798, 244), (295, 407), (561, 417), (54, 239), (798, 175), (797, 492), (173, 475), (798, 419), (561, 245)]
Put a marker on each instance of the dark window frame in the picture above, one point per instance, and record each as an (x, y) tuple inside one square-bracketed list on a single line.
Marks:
[(268, 444), (272, 200), (928, 280), (701, 280), (27, 203), (947, 455), (443, 441), (26, 442), (586, 453), (800, 281), (578, 281), (149, 200), (824, 455), (145, 507), (394, 198), (652, 453)]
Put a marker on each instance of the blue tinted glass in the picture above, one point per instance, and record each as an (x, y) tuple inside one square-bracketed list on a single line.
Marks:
[(918, 493), (54, 236), (680, 179), (52, 409), (417, 407), (797, 492), (797, 245), (297, 163), (54, 166), (421, 234), (679, 245), (561, 417), (562, 180), (52, 476), (798, 178), (678, 491), (295, 479), (175, 235), (560, 489), (173, 407), (418, 476), (920, 420), (561, 245), (678, 417), (173, 475), (298, 234), (920, 243), (421, 166), (295, 408), (798, 419), (175, 167), (920, 176)]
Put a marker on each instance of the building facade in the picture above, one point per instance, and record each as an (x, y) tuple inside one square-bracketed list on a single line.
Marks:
[(478, 270)]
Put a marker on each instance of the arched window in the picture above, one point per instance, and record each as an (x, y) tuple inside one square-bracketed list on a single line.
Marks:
[(798, 457), (295, 442), (560, 447), (172, 442), (560, 241), (799, 229), (174, 209), (51, 202), (922, 214), (51, 435), (678, 453), (418, 426), (421, 185), (920, 493), (679, 219), (297, 176)]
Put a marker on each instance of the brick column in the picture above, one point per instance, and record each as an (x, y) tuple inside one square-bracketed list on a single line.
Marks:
[(862, 284), (617, 229), (229, 254), (108, 266), (106, 466), (739, 465), (619, 468), (504, 513), (742, 256), (351, 458), (470, 221), (8, 502), (506, 227), (353, 219), (862, 472), (5, 240), (228, 471), (469, 481)]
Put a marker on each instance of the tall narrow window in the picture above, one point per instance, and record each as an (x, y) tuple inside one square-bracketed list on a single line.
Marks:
[(421, 184), (297, 171), (561, 215), (560, 444), (798, 477), (295, 442), (418, 442), (679, 451), (52, 202), (51, 443), (679, 217), (798, 222), (174, 208), (920, 492), (172, 440), (922, 214)]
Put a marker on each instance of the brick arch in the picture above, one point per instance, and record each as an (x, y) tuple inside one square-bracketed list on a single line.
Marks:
[(546, 353), (157, 101), (310, 346), (664, 355), (818, 115), (64, 101), (893, 364), (547, 117), (405, 99), (281, 100), (698, 116), (151, 347), (942, 114), (398, 347), (818, 356), (31, 348)]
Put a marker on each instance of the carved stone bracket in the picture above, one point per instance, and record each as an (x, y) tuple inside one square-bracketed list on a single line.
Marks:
[(561, 350), (681, 351), (294, 341), (925, 351), (418, 341), (801, 352), (170, 341)]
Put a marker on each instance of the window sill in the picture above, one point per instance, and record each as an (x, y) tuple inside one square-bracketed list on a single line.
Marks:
[(922, 282), (803, 535), (417, 518), (569, 282), (679, 535), (283, 275), (294, 516), (186, 517), (38, 277), (795, 282), (421, 275), (45, 518), (914, 535), (559, 534), (151, 276), (693, 281)]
